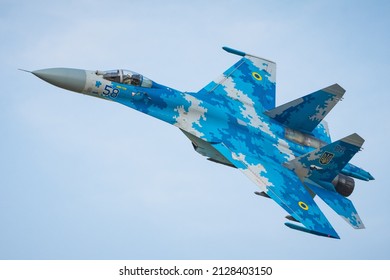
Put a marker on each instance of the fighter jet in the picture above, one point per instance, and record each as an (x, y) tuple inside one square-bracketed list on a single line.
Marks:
[(285, 150)]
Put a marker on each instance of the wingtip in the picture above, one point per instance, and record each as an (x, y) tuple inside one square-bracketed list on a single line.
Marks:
[(335, 89)]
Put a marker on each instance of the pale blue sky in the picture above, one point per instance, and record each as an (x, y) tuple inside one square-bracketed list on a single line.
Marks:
[(82, 178)]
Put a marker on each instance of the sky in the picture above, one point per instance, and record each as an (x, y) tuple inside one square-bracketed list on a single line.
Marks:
[(82, 178)]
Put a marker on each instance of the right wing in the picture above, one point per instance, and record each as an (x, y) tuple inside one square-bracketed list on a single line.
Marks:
[(284, 187), (340, 204)]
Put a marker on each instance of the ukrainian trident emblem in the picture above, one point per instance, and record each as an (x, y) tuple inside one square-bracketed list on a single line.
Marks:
[(326, 158)]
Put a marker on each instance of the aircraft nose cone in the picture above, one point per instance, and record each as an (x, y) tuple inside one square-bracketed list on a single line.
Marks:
[(66, 78)]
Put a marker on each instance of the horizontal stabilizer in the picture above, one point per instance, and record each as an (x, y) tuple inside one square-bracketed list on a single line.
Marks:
[(357, 172), (300, 228), (305, 113), (341, 205)]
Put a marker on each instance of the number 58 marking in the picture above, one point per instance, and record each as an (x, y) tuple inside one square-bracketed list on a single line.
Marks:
[(109, 91)]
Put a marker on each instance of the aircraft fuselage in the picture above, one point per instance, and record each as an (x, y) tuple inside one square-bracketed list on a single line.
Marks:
[(202, 121)]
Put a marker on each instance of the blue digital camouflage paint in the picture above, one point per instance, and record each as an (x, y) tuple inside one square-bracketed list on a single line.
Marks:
[(286, 150)]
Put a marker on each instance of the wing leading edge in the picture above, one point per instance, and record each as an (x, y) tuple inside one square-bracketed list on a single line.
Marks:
[(284, 187)]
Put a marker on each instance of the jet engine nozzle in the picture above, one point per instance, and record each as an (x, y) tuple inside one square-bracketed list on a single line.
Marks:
[(344, 185)]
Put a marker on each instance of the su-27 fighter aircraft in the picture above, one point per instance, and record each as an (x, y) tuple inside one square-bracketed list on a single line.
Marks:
[(286, 150)]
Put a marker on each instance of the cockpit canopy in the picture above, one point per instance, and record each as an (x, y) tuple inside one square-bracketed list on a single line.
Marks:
[(126, 77)]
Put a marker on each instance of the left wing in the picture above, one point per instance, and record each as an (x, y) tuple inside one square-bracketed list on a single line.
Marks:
[(248, 83), (283, 186)]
